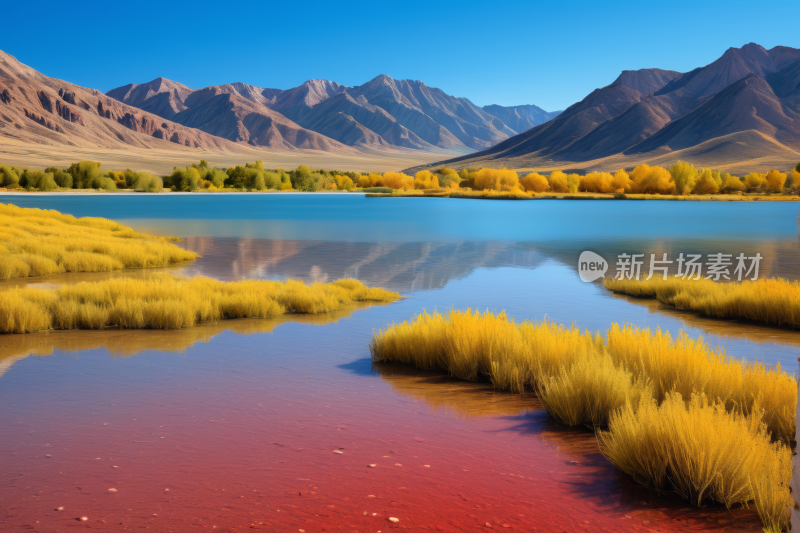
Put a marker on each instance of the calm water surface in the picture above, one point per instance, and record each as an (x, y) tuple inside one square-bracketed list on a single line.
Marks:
[(232, 426)]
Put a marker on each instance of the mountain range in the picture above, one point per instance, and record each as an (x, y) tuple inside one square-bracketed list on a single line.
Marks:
[(744, 108), (382, 114)]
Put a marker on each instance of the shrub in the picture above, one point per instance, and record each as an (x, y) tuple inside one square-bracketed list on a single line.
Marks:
[(775, 180), (8, 177), (497, 180), (558, 182), (651, 180), (145, 182), (684, 175), (601, 182), (534, 182), (705, 183)]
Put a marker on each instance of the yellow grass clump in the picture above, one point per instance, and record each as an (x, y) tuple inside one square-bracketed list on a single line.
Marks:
[(772, 301), (599, 380), (169, 302), (37, 242), (702, 451)]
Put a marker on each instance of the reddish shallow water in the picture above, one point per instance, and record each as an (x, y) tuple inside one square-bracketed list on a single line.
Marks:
[(240, 432)]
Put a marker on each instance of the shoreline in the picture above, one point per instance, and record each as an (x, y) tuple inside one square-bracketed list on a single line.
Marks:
[(595, 196), (128, 192), (486, 195)]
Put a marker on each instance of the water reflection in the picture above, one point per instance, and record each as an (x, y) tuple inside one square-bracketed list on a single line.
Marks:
[(456, 397), (127, 343), (410, 266)]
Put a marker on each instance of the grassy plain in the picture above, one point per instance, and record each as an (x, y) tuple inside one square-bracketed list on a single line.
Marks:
[(162, 162)]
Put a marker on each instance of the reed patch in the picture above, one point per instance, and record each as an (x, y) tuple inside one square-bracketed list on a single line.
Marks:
[(169, 302), (771, 301), (653, 398), (37, 242)]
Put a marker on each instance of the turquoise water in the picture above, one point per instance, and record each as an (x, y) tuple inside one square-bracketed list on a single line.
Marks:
[(355, 218), (518, 256)]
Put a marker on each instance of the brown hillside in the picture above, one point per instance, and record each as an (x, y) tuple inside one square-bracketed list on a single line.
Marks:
[(620, 125), (37, 109), (747, 105)]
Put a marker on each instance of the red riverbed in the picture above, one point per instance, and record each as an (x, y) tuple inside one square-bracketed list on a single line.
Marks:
[(240, 433)]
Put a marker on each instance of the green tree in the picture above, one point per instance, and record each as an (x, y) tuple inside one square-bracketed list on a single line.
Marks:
[(217, 177), (145, 182), (300, 178), (8, 177), (684, 175), (88, 174)]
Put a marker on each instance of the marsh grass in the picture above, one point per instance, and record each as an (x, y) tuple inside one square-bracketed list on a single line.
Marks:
[(771, 301), (661, 398), (169, 302), (36, 242), (703, 452)]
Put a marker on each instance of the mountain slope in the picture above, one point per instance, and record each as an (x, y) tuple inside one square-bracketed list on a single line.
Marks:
[(436, 117), (749, 104), (383, 113), (37, 109), (237, 112), (652, 112), (580, 119), (522, 117), (336, 116), (161, 96)]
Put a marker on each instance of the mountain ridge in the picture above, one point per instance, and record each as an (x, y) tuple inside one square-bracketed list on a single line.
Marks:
[(651, 112), (383, 113)]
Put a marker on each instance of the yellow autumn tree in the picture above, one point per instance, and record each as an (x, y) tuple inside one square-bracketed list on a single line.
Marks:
[(684, 175), (705, 184), (731, 184), (652, 180), (621, 181), (493, 179), (398, 181), (775, 180), (425, 180), (755, 181), (534, 182), (558, 182), (597, 182)]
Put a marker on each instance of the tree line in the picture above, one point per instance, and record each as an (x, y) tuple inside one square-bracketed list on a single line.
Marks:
[(679, 179)]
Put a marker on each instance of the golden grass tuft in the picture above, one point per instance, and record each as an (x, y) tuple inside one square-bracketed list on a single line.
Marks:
[(36, 242), (169, 302), (703, 452), (634, 382), (771, 301)]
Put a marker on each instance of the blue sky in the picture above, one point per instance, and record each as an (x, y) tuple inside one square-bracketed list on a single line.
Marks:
[(550, 54)]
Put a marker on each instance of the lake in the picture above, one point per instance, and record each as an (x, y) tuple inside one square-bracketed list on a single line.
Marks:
[(233, 426)]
